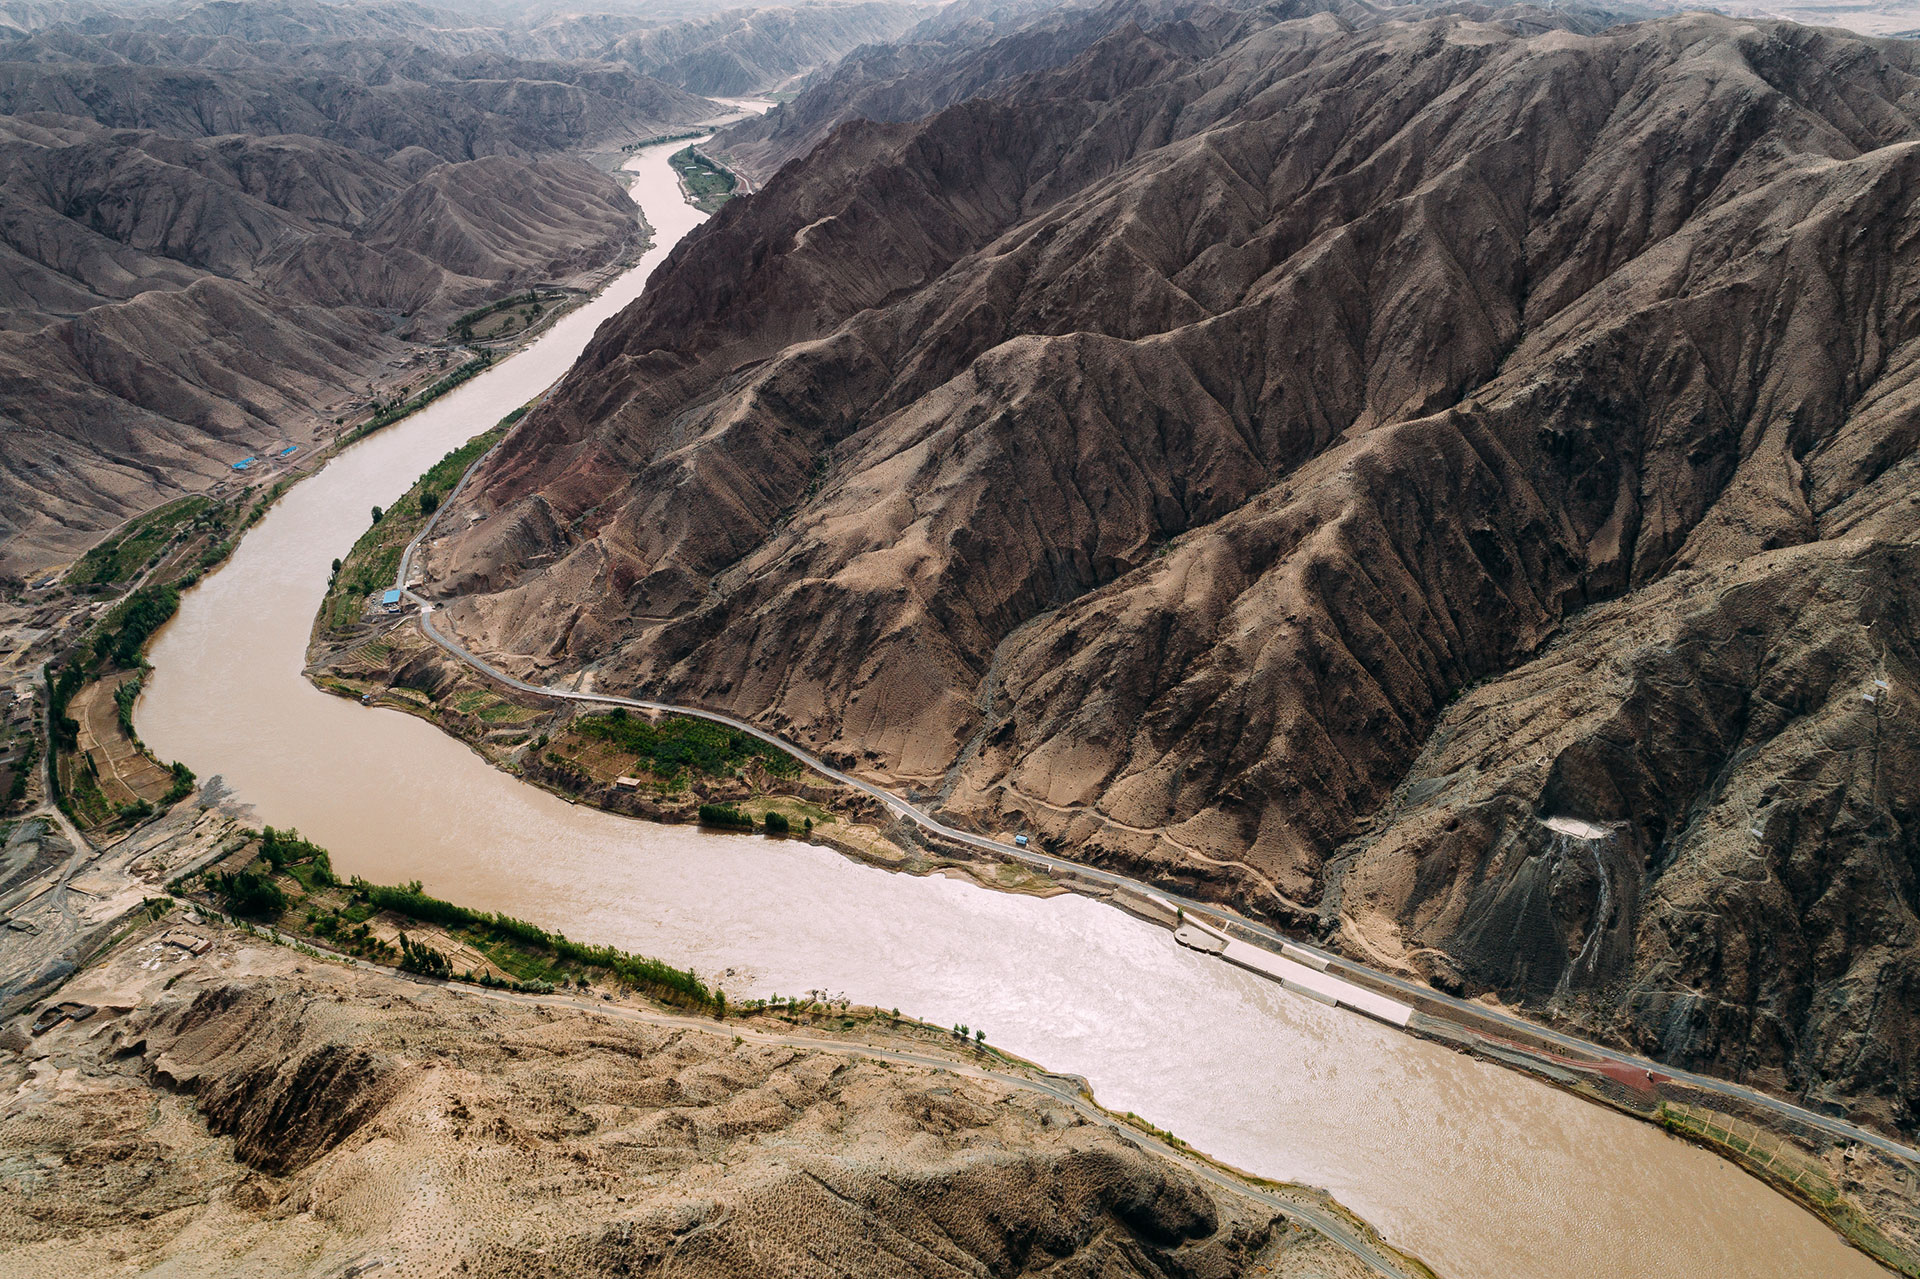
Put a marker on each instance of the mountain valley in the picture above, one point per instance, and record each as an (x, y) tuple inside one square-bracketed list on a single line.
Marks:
[(1149, 453)]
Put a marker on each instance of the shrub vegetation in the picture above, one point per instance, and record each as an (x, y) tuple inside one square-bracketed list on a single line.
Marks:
[(677, 745)]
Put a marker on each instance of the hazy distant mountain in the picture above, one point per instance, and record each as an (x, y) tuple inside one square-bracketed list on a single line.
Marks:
[(218, 218), (1292, 454), (197, 261), (733, 50)]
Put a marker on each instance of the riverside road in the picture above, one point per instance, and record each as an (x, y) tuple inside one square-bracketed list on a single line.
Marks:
[(1472, 1017)]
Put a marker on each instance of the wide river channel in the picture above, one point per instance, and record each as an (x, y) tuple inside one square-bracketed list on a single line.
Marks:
[(1480, 1171)]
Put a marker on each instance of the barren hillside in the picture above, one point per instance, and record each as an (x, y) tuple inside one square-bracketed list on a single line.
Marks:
[(205, 254), (1216, 454), (249, 1112)]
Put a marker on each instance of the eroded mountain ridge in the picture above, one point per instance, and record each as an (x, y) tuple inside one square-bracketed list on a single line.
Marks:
[(1295, 456)]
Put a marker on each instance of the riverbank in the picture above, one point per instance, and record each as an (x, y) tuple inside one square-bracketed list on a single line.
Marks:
[(663, 768), (383, 661), (60, 639), (706, 184), (1860, 1191)]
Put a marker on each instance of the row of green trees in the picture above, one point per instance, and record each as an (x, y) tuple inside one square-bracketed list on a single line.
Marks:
[(391, 413), (468, 319), (728, 817), (660, 980)]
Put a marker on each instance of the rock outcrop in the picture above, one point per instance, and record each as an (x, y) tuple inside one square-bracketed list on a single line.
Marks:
[(1194, 453)]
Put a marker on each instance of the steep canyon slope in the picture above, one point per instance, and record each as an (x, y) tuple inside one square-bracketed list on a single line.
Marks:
[(1293, 456)]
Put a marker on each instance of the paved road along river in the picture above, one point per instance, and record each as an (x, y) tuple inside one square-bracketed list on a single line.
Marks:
[(1483, 1173)]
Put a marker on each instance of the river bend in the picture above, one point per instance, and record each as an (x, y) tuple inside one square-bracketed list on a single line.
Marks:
[(1482, 1172)]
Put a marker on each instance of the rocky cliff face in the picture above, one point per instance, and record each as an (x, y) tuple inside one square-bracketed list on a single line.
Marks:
[(1216, 454)]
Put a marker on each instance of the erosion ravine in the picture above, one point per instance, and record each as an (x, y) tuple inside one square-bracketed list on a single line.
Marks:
[(1477, 1170)]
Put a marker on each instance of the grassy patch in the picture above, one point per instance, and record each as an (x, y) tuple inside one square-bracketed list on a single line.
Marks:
[(712, 186), (514, 313), (676, 746), (121, 557), (85, 802)]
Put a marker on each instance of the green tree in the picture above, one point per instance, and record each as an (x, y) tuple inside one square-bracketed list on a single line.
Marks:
[(377, 513), (250, 893), (418, 957)]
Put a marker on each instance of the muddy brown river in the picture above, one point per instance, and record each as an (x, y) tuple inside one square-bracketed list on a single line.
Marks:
[(1483, 1173)]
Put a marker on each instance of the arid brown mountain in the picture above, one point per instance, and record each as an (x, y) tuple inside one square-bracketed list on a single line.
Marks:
[(970, 50), (256, 184), (268, 1115), (200, 261), (494, 107), (168, 306), (960, 52), (728, 51), (1295, 460)]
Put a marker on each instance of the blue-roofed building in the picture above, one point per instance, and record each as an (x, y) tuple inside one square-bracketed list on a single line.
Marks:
[(288, 451), (243, 464), (391, 601)]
